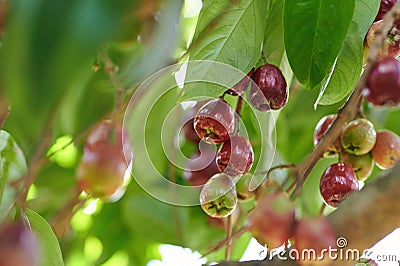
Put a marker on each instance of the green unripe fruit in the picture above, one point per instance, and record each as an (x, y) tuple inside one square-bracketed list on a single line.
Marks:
[(358, 137), (362, 165), (218, 196), (242, 188)]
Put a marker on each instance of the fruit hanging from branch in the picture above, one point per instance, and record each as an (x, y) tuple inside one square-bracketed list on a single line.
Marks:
[(106, 157)]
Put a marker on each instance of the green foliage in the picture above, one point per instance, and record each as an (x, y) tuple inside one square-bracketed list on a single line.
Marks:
[(49, 246), (338, 84), (314, 33)]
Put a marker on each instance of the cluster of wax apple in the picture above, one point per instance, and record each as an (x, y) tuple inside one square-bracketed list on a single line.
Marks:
[(214, 122), (18, 245), (106, 156), (359, 144)]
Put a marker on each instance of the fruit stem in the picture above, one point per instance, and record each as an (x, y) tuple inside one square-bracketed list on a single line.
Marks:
[(350, 109), (224, 241), (111, 70), (321, 211), (239, 105)]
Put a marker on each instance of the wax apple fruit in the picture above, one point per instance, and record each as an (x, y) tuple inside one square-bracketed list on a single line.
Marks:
[(387, 149), (337, 182), (269, 91), (320, 129), (106, 156), (235, 156), (188, 119), (201, 166), (362, 164), (218, 196), (315, 234), (383, 83), (358, 137), (272, 220), (242, 188), (215, 121)]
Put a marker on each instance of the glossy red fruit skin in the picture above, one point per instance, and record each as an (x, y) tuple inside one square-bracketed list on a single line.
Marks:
[(322, 126), (271, 92), (18, 245), (387, 149), (106, 156), (383, 83), (316, 234), (272, 220), (235, 156), (188, 119), (215, 121), (201, 166), (240, 87), (384, 7), (337, 182)]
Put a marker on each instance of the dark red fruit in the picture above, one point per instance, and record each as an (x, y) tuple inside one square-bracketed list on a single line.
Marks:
[(386, 151), (201, 166), (383, 83), (235, 156), (314, 234), (18, 245), (384, 7), (215, 121), (271, 92), (188, 118), (322, 126), (358, 136), (218, 196), (240, 87), (106, 157), (272, 220), (337, 182)]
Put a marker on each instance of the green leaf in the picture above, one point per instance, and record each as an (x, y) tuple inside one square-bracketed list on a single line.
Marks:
[(348, 66), (50, 249), (274, 47), (12, 168), (314, 33), (227, 32)]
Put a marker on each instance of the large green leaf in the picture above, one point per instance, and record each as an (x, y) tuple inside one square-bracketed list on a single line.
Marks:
[(314, 33), (349, 62), (50, 249), (274, 47), (12, 168), (227, 32)]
